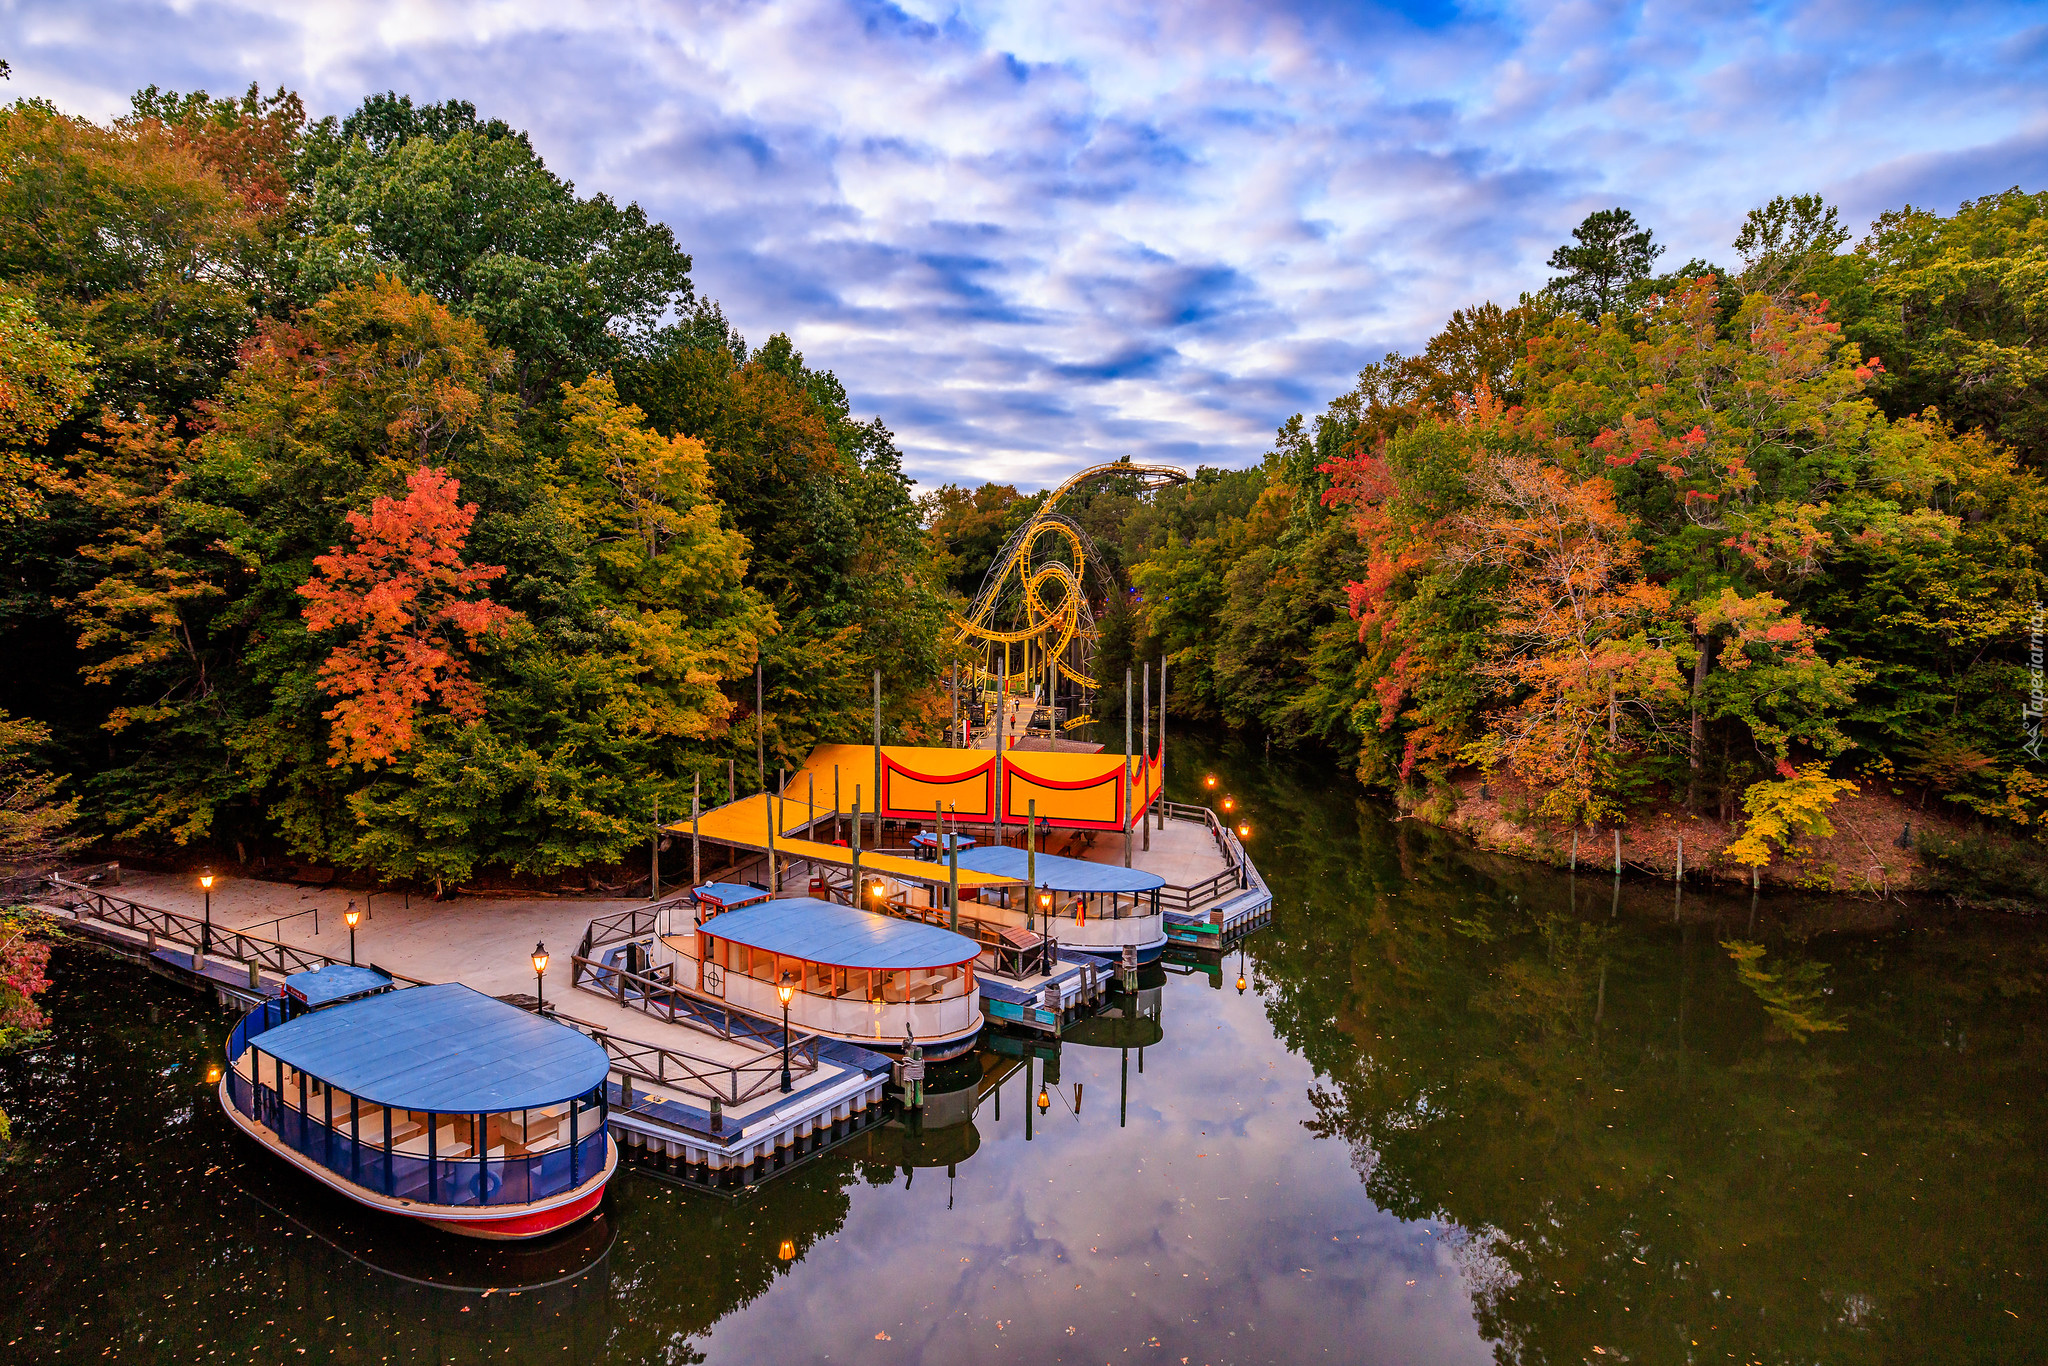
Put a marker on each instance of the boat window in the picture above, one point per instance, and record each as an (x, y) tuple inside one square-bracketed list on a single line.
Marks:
[(455, 1136), (818, 978), (409, 1131), (893, 987), (536, 1130)]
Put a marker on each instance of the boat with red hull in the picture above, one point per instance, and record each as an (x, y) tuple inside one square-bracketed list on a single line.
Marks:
[(432, 1103)]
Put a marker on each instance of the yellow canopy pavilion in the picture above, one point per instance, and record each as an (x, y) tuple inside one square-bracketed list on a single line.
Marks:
[(981, 786)]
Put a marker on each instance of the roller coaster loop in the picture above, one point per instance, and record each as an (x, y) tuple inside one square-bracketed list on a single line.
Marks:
[(1016, 605)]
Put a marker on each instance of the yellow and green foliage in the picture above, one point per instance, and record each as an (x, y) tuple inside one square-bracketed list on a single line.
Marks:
[(1784, 810)]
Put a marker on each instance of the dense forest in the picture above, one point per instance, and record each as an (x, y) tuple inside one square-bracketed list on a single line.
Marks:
[(370, 497), (1730, 538)]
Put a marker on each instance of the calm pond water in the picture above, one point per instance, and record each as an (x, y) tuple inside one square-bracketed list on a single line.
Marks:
[(1467, 1111)]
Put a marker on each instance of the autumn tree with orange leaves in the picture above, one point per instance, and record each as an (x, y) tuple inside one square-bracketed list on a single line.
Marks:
[(409, 612), (1575, 657)]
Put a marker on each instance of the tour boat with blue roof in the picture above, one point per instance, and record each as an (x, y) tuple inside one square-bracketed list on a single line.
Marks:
[(874, 980), (436, 1103), (1088, 907)]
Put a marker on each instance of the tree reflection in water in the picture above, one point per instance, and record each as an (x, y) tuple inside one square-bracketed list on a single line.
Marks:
[(1646, 1140)]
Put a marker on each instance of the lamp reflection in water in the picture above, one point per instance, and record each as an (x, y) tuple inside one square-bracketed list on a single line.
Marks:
[(786, 990), (787, 1252), (1240, 972)]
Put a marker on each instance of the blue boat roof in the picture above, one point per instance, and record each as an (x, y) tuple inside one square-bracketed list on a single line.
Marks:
[(1060, 874), (729, 894), (445, 1048), (335, 982), (840, 936)]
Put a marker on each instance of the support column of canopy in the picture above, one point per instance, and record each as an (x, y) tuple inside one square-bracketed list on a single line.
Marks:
[(1127, 813)]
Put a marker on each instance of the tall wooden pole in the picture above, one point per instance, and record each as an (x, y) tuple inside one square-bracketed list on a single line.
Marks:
[(696, 850), (1127, 767), (1162, 742), (760, 732), (953, 889), (880, 804), (810, 805), (953, 686), (1002, 724), (856, 899), (654, 858), (835, 803), (1031, 862), (774, 882), (1145, 818)]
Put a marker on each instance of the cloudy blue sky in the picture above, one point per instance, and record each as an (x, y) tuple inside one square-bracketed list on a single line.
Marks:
[(1032, 236)]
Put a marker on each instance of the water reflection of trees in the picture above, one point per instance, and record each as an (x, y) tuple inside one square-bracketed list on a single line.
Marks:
[(136, 1216), (1643, 1140)]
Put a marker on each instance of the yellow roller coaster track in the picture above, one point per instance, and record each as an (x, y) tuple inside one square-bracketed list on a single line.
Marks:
[(1047, 629)]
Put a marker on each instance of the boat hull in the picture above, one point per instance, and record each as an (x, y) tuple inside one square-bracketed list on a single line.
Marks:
[(937, 1047), (1112, 955), (498, 1223)]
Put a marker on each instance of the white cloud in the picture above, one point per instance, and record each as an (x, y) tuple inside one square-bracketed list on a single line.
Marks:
[(1033, 236)]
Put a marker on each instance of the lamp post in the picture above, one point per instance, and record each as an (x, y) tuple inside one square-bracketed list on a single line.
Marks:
[(1209, 781), (353, 917), (206, 927), (785, 991), (540, 973), (1244, 831)]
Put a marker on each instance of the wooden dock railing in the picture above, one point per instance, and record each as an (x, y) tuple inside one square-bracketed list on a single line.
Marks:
[(635, 922), (706, 1080), (672, 1068), (189, 931)]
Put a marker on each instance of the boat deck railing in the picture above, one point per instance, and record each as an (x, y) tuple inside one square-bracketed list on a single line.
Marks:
[(999, 957)]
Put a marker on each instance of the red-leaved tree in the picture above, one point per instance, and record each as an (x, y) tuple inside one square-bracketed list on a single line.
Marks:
[(410, 604)]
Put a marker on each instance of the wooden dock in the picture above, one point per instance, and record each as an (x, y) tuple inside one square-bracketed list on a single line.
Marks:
[(706, 1105)]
